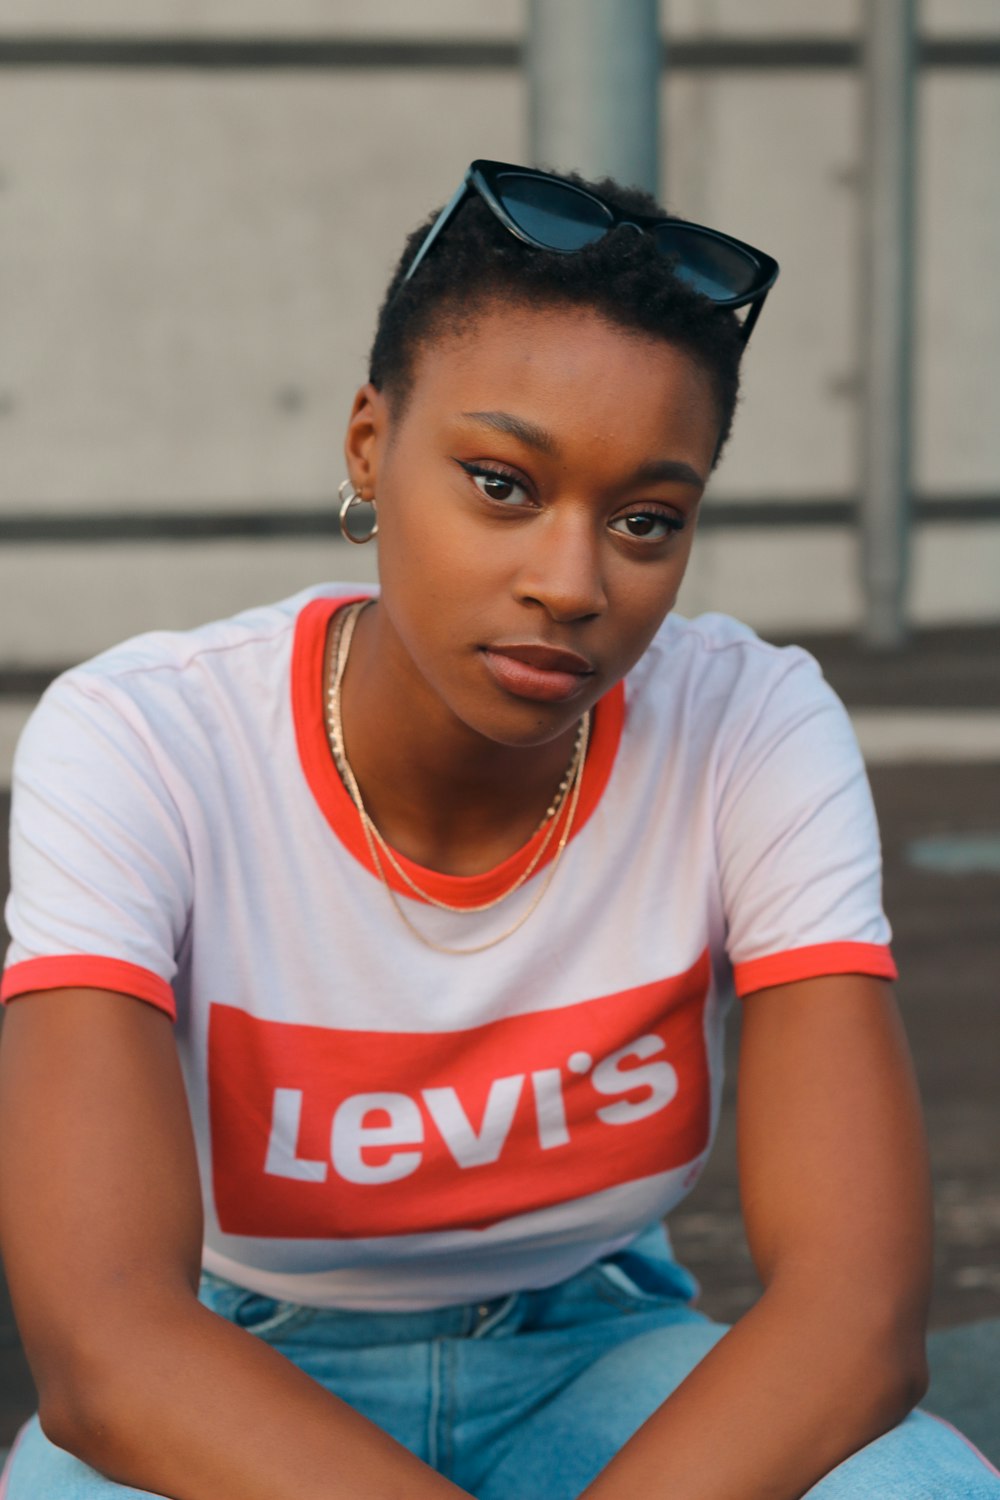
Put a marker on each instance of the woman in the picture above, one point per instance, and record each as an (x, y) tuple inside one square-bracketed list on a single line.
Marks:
[(448, 889)]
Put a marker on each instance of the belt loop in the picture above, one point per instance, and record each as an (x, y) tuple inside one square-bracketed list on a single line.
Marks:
[(488, 1317)]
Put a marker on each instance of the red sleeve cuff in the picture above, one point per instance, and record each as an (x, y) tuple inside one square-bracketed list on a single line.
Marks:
[(813, 963), (82, 971)]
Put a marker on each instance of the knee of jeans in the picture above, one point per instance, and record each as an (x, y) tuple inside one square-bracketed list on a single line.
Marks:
[(922, 1458)]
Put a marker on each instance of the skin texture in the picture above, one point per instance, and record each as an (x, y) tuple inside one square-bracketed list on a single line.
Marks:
[(574, 548)]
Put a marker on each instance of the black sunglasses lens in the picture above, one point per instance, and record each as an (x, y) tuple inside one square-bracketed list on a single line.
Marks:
[(553, 213), (710, 266)]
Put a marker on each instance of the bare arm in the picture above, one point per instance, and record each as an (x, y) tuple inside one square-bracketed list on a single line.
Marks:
[(100, 1217), (836, 1202)]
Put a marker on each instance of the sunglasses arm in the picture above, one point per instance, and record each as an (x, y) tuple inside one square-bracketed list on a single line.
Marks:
[(441, 222), (746, 328)]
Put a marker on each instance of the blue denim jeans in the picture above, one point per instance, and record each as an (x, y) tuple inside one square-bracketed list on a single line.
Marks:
[(526, 1397)]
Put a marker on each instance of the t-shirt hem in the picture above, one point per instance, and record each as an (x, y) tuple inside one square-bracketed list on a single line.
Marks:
[(813, 962), (88, 971)]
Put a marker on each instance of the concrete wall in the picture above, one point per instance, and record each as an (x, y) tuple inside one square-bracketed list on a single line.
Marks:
[(191, 257)]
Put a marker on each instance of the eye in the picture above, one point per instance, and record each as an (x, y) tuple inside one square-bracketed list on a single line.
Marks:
[(647, 525), (496, 484)]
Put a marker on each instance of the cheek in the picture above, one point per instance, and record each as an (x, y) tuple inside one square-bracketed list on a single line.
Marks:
[(649, 587), (433, 582), (423, 571), (430, 545), (641, 599)]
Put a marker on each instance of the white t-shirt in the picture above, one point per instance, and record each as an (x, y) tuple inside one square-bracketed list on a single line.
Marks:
[(380, 1125)]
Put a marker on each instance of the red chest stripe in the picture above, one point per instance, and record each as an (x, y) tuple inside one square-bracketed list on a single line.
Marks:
[(330, 1134)]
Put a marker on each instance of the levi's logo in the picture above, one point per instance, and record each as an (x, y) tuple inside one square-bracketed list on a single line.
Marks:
[(335, 1134)]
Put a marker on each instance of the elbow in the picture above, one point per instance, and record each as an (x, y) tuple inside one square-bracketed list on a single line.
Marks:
[(874, 1347), (79, 1412), (72, 1423), (60, 1421), (895, 1360), (906, 1382), (98, 1388), (894, 1392)]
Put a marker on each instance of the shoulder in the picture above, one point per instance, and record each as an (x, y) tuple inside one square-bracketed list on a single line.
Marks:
[(171, 687), (714, 672), (719, 645), (173, 662)]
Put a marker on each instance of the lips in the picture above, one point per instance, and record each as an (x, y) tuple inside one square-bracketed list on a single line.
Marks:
[(532, 669), (546, 658)]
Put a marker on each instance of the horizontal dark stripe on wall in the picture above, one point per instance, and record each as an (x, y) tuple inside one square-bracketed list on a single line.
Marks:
[(26, 682), (170, 526), (238, 54), (309, 521)]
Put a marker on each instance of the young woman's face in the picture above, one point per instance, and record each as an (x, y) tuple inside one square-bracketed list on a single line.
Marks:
[(537, 496)]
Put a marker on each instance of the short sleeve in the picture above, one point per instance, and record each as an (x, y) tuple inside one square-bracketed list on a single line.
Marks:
[(798, 844), (100, 867)]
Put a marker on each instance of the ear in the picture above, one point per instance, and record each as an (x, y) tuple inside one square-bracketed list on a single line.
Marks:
[(365, 441)]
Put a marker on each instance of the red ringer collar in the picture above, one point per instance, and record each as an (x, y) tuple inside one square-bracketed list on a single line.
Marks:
[(317, 763)]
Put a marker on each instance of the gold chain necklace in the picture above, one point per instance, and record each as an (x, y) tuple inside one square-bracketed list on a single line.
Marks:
[(378, 849)]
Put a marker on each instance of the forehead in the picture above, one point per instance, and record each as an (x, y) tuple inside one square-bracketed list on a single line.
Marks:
[(570, 370)]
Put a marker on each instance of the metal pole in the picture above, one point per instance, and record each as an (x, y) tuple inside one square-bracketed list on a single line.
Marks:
[(887, 341), (594, 88)]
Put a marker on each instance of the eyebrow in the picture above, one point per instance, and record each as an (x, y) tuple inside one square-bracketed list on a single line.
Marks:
[(666, 471), (526, 432), (656, 471)]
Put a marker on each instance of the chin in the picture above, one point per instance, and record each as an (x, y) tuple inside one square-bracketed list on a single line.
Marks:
[(533, 725)]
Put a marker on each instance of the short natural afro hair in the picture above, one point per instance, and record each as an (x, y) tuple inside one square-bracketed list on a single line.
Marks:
[(476, 262)]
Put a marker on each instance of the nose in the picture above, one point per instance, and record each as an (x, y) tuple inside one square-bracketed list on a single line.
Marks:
[(562, 569)]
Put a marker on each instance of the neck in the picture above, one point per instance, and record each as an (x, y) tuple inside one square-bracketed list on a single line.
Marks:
[(439, 793)]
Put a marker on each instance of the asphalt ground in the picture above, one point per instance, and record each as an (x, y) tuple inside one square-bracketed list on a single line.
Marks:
[(947, 944)]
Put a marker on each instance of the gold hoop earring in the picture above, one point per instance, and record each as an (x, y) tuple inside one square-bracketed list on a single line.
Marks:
[(349, 497)]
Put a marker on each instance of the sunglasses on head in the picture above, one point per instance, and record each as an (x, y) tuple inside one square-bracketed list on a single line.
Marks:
[(553, 214)]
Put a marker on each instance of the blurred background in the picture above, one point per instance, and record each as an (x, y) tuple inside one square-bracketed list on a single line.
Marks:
[(200, 203)]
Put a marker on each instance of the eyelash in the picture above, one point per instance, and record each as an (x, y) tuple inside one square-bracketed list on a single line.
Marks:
[(673, 523), (489, 471)]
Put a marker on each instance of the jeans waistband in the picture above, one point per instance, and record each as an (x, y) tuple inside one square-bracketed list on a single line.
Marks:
[(638, 1278)]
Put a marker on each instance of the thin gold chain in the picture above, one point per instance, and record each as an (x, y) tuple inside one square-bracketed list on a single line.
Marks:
[(340, 755), (377, 846)]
